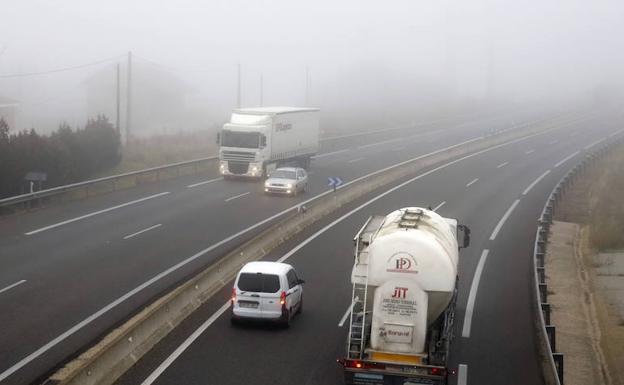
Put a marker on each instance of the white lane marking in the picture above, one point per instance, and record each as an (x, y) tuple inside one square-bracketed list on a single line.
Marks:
[(536, 181), (462, 374), (356, 160), (472, 182), (329, 153), (593, 144), (96, 213), (439, 205), (502, 165), (380, 143), (23, 362), (553, 142), (530, 152), (142, 231), (346, 314), (162, 367), (503, 219), (401, 148), (473, 294), (615, 133), (12, 286), (562, 161), (237, 196), (204, 182)]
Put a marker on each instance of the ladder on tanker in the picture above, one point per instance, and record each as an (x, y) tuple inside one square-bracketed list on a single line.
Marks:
[(356, 341)]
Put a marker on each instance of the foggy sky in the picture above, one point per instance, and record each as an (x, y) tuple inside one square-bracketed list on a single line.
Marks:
[(359, 53)]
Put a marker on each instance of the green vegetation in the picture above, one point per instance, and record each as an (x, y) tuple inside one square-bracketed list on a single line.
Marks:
[(66, 156)]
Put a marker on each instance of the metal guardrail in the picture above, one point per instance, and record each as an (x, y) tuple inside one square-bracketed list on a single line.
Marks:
[(113, 179), (553, 372)]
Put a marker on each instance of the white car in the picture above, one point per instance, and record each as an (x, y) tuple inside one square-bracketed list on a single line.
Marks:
[(269, 291), (287, 180)]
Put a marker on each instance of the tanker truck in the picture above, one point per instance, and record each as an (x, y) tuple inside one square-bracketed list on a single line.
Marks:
[(404, 280)]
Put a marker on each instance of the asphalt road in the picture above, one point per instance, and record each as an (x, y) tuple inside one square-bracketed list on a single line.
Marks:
[(71, 272), (498, 193)]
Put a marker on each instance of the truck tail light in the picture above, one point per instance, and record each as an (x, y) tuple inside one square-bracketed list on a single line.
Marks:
[(437, 371), (355, 364), (283, 298)]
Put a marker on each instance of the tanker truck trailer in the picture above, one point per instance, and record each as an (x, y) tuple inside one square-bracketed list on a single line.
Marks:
[(403, 299)]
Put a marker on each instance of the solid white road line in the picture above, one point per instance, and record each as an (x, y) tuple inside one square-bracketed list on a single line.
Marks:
[(162, 367), (502, 165), (536, 181), (142, 231), (472, 296), (237, 196), (562, 161), (96, 213), (462, 374), (346, 314), (12, 286), (593, 144), (330, 153), (530, 152), (356, 160), (439, 205), (503, 219), (205, 182), (472, 182)]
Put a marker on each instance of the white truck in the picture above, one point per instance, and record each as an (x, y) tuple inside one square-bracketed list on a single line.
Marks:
[(403, 301), (258, 140)]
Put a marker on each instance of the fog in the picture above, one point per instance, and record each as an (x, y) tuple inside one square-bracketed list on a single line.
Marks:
[(363, 63)]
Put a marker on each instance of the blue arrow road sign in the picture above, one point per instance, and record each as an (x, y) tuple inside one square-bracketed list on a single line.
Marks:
[(334, 181)]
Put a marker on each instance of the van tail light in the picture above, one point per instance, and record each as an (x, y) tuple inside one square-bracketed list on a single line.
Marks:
[(283, 298), (233, 295)]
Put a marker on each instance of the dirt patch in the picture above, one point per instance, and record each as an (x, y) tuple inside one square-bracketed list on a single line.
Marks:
[(595, 202), (578, 336)]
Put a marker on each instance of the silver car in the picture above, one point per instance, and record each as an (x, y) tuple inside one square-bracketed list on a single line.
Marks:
[(287, 180)]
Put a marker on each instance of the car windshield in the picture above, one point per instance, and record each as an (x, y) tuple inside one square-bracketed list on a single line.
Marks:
[(240, 139), (259, 283), (284, 174)]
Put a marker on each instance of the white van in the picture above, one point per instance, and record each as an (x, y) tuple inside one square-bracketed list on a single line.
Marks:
[(267, 291)]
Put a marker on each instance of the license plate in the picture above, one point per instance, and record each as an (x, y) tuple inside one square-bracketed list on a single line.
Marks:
[(248, 304)]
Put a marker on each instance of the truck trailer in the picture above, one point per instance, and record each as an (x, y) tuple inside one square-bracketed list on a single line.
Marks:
[(257, 140), (404, 293)]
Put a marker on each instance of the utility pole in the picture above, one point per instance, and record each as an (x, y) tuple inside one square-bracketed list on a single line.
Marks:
[(307, 89), (118, 101), (238, 92), (261, 91), (129, 98)]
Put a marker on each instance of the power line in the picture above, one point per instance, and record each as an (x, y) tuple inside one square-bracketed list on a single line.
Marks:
[(64, 69), (170, 68)]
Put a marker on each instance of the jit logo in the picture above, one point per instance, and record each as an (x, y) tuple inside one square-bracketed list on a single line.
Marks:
[(403, 263), (399, 292)]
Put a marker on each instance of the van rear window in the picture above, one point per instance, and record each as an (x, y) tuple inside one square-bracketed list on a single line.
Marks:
[(259, 283)]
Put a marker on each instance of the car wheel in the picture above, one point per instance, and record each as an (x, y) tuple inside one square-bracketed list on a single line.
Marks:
[(286, 319), (300, 309)]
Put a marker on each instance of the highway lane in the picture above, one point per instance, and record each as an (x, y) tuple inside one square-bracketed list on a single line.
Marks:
[(501, 320), (79, 272)]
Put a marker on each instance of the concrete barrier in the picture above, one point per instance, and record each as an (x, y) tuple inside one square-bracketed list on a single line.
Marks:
[(119, 350)]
